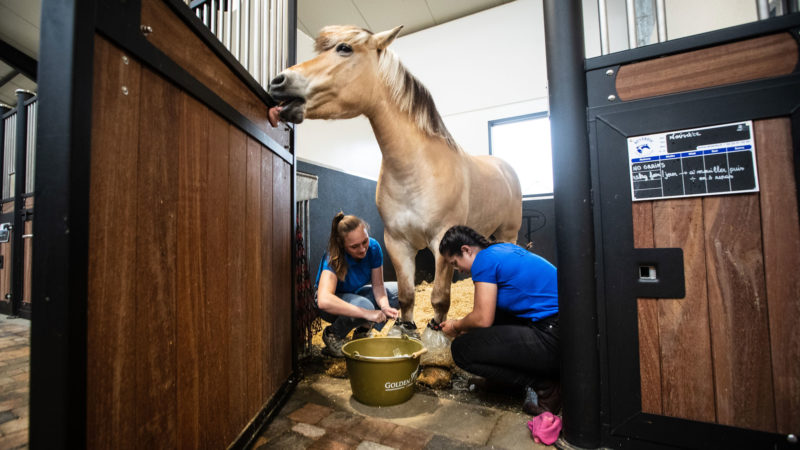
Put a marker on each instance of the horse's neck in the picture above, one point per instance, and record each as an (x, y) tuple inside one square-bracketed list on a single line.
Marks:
[(403, 145)]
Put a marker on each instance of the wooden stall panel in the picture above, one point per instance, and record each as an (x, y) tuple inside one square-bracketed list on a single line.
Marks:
[(112, 302), (737, 304), (649, 345), (214, 414), (281, 309), (687, 381), (237, 375), (180, 43), (156, 263), (267, 233), (761, 57), (781, 237), (254, 313), (192, 295)]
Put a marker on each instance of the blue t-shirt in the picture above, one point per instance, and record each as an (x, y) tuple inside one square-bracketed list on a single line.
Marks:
[(359, 272), (527, 285)]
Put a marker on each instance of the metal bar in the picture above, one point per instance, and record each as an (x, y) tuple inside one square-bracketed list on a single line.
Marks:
[(8, 155), (661, 20), (763, 9), (266, 46), (245, 60), (213, 17), (580, 372), (630, 9), (602, 12), (228, 23), (17, 248), (291, 33), (30, 177)]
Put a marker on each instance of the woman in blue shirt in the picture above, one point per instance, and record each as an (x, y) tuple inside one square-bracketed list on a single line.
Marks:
[(350, 288), (511, 335)]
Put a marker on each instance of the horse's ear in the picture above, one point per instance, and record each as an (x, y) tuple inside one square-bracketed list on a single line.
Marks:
[(384, 38)]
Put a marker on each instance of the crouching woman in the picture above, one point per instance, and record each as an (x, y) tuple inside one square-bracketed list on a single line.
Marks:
[(511, 335), (350, 288)]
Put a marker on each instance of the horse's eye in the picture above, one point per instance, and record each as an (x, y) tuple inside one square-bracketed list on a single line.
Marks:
[(344, 49)]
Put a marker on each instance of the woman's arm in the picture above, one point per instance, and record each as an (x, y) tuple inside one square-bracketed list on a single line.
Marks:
[(482, 314), (332, 304), (379, 291)]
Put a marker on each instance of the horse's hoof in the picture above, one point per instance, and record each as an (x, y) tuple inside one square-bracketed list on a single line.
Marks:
[(404, 328)]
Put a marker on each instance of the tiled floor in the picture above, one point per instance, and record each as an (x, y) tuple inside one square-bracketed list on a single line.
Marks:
[(322, 414), (14, 362)]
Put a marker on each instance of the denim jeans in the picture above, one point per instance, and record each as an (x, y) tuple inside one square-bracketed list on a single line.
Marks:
[(522, 355), (363, 298)]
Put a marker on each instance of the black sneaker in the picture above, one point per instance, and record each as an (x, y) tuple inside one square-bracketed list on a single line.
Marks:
[(333, 343), (540, 400), (362, 332)]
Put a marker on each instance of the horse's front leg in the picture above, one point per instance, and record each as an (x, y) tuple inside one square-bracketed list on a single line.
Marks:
[(440, 296), (402, 255)]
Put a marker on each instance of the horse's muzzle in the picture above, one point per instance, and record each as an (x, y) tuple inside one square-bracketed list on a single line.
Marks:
[(288, 89)]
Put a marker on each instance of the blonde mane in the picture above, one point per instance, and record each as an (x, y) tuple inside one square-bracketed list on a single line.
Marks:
[(407, 92)]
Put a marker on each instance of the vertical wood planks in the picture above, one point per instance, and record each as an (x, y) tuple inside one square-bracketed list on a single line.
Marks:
[(111, 317), (737, 304), (281, 273), (189, 326), (215, 432), (192, 295), (270, 312), (649, 345), (237, 375), (781, 238), (687, 380), (156, 263), (252, 278)]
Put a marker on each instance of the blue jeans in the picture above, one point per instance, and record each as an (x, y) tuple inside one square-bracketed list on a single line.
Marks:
[(363, 298)]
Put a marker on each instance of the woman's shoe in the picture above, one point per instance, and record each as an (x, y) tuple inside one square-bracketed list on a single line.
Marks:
[(333, 343), (538, 401)]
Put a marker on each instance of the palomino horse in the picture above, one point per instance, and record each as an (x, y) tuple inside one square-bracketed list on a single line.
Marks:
[(427, 183)]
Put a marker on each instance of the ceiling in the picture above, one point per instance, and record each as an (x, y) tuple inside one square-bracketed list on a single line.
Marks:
[(380, 15), (19, 26)]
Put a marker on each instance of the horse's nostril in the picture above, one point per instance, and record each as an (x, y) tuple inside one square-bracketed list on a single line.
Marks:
[(278, 81)]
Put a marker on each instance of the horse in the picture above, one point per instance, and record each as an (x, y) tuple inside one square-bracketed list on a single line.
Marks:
[(427, 182)]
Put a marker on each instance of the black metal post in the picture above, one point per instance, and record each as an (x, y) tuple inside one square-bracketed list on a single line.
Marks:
[(17, 263), (580, 376), (60, 255)]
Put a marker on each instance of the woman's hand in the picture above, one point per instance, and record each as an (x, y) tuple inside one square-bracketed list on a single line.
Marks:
[(390, 312), (449, 328), (374, 315)]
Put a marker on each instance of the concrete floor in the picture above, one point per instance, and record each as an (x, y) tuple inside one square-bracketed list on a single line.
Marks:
[(322, 414)]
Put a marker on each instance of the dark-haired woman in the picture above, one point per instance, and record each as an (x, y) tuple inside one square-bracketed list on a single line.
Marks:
[(350, 288), (511, 335)]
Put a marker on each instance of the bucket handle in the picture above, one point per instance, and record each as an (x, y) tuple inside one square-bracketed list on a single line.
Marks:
[(419, 353)]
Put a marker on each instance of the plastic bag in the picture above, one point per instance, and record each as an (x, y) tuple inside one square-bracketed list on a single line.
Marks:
[(438, 345)]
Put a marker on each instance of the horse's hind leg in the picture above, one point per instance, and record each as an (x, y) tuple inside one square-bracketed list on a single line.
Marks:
[(440, 296), (402, 256)]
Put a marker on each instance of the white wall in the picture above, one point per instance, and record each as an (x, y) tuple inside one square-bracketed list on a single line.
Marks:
[(487, 66)]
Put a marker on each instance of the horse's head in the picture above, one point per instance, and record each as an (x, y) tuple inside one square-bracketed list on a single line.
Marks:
[(339, 81)]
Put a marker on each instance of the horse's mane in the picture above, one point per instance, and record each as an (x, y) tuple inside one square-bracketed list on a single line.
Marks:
[(408, 93)]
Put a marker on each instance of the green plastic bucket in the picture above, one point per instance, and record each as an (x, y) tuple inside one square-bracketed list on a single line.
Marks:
[(383, 370)]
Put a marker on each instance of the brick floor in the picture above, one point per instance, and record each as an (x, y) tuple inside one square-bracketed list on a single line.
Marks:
[(14, 372)]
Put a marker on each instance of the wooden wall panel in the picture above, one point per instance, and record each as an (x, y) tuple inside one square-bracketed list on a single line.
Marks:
[(189, 328), (282, 273), (252, 278), (687, 380), (178, 42), (237, 375), (649, 345), (738, 312), (5, 272), (269, 312), (192, 294), (156, 263), (27, 262), (761, 57), (216, 432), (781, 237), (113, 241)]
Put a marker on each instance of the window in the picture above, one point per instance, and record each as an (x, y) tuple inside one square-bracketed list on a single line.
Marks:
[(524, 141)]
